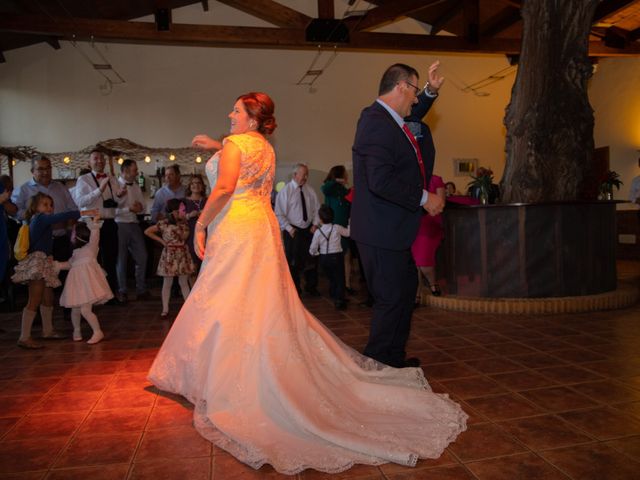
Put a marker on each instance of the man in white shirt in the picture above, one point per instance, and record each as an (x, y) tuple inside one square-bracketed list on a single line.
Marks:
[(297, 211), (98, 190), (130, 237), (172, 189)]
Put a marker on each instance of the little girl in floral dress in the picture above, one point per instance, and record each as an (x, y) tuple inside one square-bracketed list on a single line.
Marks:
[(86, 284), (175, 260)]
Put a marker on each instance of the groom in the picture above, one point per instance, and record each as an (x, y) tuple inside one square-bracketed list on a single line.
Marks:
[(390, 194)]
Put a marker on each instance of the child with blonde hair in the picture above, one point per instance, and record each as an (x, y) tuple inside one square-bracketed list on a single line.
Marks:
[(38, 270)]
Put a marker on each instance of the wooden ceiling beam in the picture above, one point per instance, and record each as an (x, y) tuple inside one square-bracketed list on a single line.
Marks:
[(270, 11), (205, 5), (326, 9), (120, 31), (53, 42), (607, 8), (391, 12), (471, 15), (447, 16), (634, 34), (500, 22)]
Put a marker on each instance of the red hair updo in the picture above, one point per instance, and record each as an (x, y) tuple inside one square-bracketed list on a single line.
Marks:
[(260, 107)]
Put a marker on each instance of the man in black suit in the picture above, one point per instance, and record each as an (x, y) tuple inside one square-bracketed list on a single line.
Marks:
[(389, 197)]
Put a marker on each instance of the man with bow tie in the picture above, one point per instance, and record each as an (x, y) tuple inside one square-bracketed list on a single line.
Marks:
[(390, 196), (130, 236), (98, 190)]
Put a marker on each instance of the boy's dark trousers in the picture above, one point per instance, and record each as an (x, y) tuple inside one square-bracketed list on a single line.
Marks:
[(333, 266)]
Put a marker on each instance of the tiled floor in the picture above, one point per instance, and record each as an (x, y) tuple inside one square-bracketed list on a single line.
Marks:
[(549, 397)]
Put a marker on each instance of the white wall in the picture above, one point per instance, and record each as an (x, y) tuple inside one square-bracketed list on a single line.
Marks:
[(52, 99), (615, 97)]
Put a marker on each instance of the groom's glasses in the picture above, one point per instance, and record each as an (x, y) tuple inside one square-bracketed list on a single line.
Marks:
[(417, 90)]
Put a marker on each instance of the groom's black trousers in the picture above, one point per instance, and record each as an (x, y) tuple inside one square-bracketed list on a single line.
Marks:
[(392, 279)]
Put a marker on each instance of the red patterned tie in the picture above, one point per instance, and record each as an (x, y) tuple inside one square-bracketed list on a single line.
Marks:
[(101, 175), (416, 147)]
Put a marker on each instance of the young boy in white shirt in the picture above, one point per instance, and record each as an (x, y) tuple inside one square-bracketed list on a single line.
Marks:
[(326, 244)]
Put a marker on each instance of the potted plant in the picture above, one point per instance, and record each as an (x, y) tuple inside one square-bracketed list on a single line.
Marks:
[(481, 185), (611, 179)]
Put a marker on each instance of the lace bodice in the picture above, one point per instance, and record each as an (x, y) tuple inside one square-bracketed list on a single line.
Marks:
[(257, 165)]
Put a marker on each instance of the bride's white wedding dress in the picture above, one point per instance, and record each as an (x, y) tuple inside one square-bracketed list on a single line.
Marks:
[(270, 383)]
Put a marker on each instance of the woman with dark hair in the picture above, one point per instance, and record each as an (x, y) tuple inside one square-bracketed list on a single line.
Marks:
[(196, 197), (270, 383), (335, 189)]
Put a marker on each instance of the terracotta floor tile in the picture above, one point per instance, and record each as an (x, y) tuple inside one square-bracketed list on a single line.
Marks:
[(11, 406), (473, 352), (25, 476), (484, 441), (438, 473), (46, 425), (98, 368), (7, 424), (613, 368), (430, 357), (33, 386), (102, 472), (485, 338), (227, 467), (578, 355), (445, 459), (100, 422), (558, 399), (472, 387), (544, 432), (603, 423), (62, 402), (30, 454), (125, 381), (593, 462), (546, 344), (568, 374), (84, 383), (511, 349), (451, 342), (494, 365), (87, 450), (608, 392), (172, 443), (504, 407), (521, 466), (522, 380), (629, 446), (178, 469), (176, 415), (39, 371), (136, 397), (537, 360), (630, 408), (443, 371)]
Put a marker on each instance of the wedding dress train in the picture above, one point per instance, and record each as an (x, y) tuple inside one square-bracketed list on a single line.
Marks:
[(270, 383)]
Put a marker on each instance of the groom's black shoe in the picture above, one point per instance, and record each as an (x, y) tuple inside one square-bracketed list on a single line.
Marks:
[(412, 362)]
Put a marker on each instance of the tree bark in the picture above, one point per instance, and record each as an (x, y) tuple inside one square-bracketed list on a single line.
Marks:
[(549, 120)]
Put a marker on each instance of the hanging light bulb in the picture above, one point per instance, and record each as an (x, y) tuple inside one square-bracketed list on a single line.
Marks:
[(120, 161), (147, 159), (13, 163), (198, 159), (66, 160), (172, 157)]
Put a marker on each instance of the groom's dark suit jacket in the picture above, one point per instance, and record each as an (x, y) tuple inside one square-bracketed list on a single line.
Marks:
[(388, 184)]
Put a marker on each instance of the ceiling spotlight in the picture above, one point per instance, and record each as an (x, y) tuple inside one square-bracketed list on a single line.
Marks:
[(66, 160)]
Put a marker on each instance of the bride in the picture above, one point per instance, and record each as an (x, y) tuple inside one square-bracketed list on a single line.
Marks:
[(270, 383)]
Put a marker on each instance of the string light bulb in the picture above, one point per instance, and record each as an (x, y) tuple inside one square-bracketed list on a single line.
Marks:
[(198, 159), (66, 160), (147, 159), (120, 161), (172, 157)]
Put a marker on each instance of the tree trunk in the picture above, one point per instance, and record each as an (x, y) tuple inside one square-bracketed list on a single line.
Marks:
[(549, 120)]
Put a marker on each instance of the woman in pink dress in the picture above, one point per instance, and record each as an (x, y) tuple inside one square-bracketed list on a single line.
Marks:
[(428, 240)]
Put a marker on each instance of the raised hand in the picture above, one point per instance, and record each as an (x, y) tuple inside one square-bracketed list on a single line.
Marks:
[(434, 78), (205, 142)]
